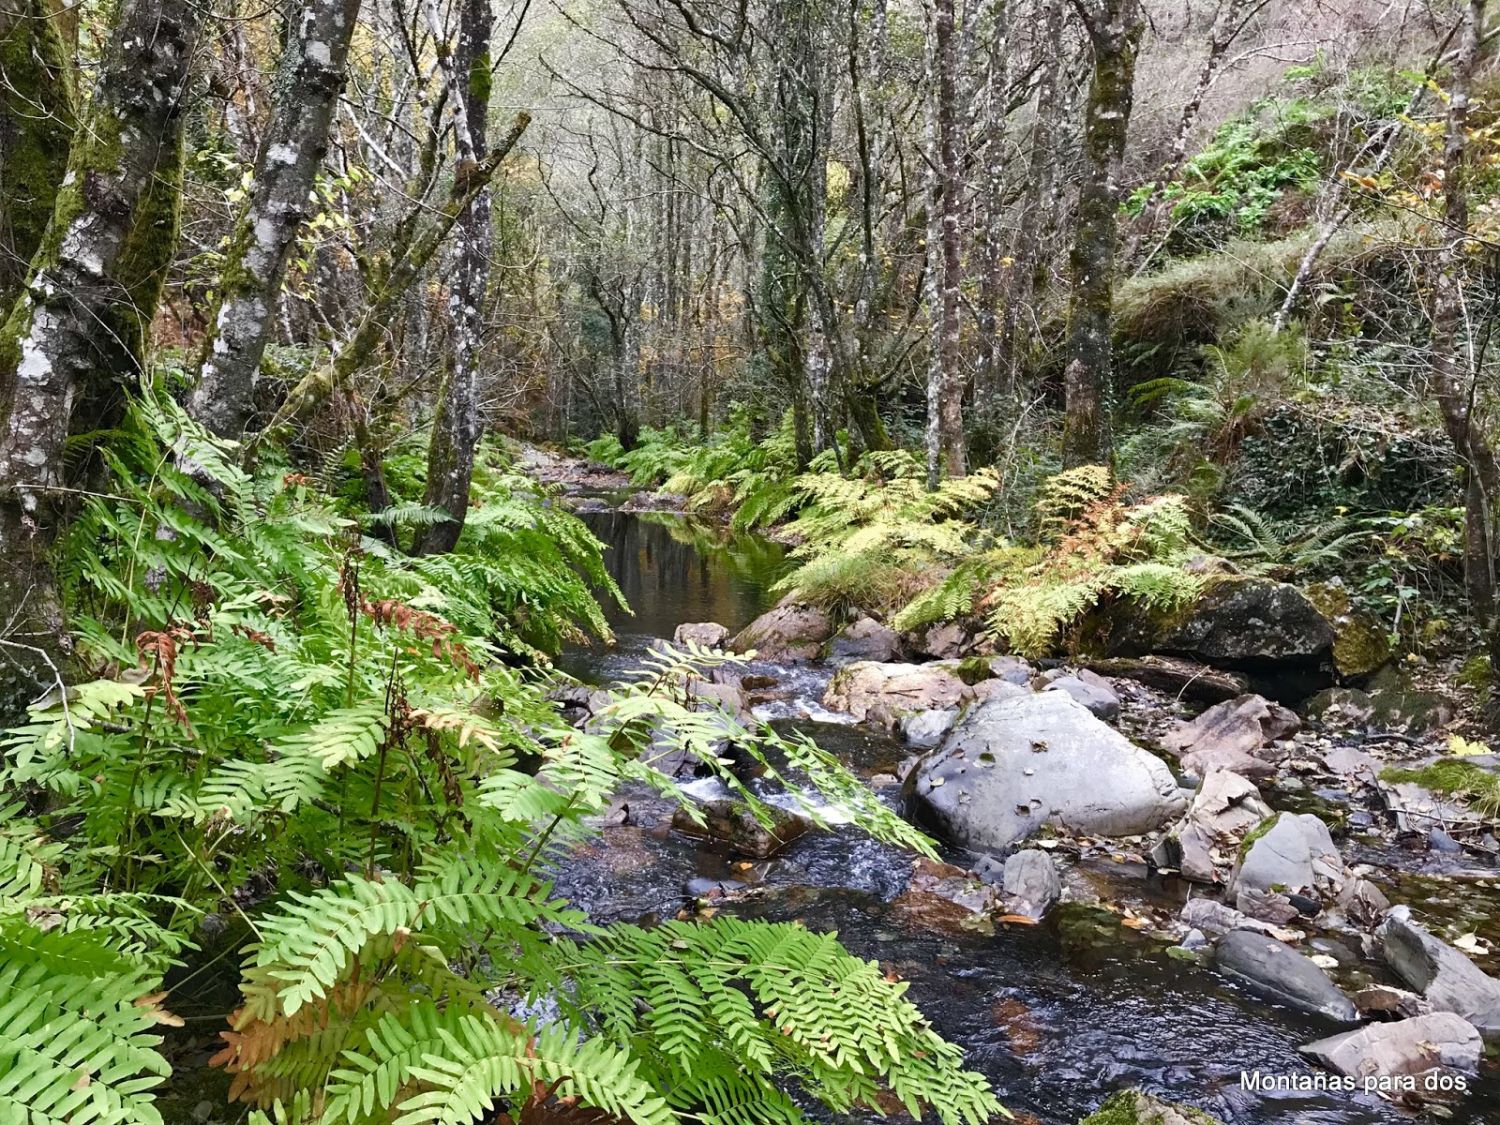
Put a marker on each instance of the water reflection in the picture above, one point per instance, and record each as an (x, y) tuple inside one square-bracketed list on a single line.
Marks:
[(673, 570)]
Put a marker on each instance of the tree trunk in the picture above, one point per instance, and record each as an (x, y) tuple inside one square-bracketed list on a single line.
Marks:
[(291, 154), (1452, 358), (52, 345), (456, 426), (36, 129), (1114, 30), (945, 429), (987, 382)]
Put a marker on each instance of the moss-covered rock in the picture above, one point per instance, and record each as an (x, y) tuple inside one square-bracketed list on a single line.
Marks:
[(1360, 645), (1135, 1107)]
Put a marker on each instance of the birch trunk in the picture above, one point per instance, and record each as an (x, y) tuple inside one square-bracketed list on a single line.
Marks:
[(51, 346), (291, 154), (945, 429), (1452, 368), (456, 426), (1114, 30)]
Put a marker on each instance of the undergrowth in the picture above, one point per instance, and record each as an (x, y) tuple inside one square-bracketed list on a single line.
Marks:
[(351, 755)]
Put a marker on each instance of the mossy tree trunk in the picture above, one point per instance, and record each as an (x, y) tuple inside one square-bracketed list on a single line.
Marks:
[(1453, 355), (456, 426), (292, 152), (1114, 30), (55, 345), (37, 119), (945, 384)]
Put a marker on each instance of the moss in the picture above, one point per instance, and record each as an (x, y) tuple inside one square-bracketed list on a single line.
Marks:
[(974, 670), (1456, 778), (1132, 1107), (1360, 645), (37, 65), (1257, 832)]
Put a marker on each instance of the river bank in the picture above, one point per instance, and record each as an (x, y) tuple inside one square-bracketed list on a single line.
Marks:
[(1121, 983)]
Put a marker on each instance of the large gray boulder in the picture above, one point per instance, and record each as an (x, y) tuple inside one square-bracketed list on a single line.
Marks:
[(1223, 811), (1292, 855), (787, 634), (1013, 766), (1278, 971), (1444, 976), (882, 693), (1406, 1047), (1233, 735), (865, 639), (1252, 624)]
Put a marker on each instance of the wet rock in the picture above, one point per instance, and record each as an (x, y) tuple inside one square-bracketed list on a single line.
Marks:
[(1280, 972), (1090, 689), (1011, 766), (1447, 979), (1215, 918), (1402, 708), (579, 702), (733, 823), (925, 729), (1175, 676), (727, 697), (1416, 809), (883, 693), (1030, 883), (865, 639), (1440, 841), (941, 896), (1134, 1107), (1407, 1047), (1225, 808), (1291, 854), (1386, 1002), (788, 633), (709, 634), (1362, 902), (712, 888), (1341, 706), (1233, 736)]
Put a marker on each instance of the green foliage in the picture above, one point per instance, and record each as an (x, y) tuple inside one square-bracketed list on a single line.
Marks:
[(755, 479), (1259, 545), (1097, 544), (874, 540), (1475, 784), (1231, 185), (299, 725)]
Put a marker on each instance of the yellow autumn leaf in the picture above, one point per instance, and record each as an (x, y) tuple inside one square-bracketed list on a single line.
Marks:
[(1461, 747)]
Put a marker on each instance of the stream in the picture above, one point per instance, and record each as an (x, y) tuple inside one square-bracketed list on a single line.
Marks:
[(1057, 1016)]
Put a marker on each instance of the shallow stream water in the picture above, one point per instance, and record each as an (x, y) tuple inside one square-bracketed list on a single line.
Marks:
[(1058, 1016)]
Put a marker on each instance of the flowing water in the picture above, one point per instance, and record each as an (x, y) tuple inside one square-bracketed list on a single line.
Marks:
[(1057, 1016)]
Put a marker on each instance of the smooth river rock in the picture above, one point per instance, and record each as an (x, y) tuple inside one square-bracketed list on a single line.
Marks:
[(1030, 883), (1278, 971), (1295, 855), (865, 639), (787, 634), (734, 824), (1012, 766), (709, 634), (1406, 1047), (1233, 735), (1448, 980), (1090, 689), (882, 693)]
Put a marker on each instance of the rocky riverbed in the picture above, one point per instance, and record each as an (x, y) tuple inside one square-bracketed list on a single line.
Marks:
[(1184, 867)]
